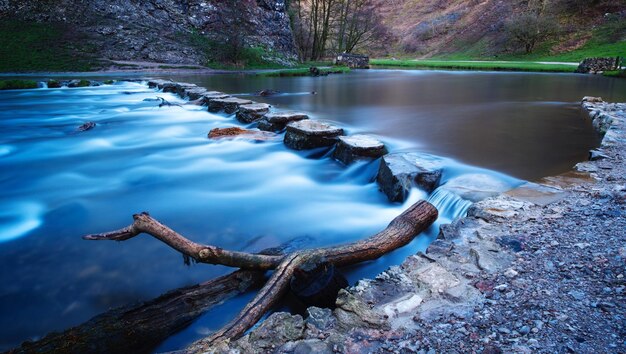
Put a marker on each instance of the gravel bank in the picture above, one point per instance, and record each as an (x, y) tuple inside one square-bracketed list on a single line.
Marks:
[(537, 269)]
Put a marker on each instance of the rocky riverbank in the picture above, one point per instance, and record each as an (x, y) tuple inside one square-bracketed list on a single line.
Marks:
[(536, 269)]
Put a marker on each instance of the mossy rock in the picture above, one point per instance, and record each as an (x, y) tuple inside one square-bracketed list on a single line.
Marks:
[(17, 84)]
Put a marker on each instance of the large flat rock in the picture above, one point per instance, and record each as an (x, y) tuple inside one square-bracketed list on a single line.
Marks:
[(277, 121), (398, 172), (355, 147), (229, 105), (310, 134), (476, 186), (249, 113)]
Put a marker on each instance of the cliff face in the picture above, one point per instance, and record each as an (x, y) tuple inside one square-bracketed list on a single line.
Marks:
[(169, 31)]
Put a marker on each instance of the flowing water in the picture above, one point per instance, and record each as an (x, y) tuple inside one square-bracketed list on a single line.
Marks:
[(57, 184)]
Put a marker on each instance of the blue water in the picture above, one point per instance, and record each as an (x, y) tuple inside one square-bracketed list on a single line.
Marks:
[(58, 184)]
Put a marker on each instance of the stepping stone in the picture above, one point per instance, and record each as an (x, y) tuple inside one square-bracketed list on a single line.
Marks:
[(182, 87), (249, 113), (213, 95), (275, 122), (157, 83), (236, 132), (351, 148), (398, 172), (194, 93), (310, 134), (229, 105)]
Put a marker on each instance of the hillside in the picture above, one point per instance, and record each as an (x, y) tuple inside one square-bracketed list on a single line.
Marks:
[(464, 29), (81, 34)]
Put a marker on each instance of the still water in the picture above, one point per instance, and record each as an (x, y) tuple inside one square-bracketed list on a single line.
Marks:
[(57, 185)]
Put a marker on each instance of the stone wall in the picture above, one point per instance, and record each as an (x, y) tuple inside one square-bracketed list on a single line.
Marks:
[(353, 61), (599, 65)]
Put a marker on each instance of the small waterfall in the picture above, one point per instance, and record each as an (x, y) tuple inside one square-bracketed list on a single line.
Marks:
[(450, 205), (42, 84)]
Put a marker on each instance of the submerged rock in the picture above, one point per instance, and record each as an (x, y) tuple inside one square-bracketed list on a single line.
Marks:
[(310, 134), (86, 126), (249, 113), (235, 132), (351, 148), (229, 105), (399, 171), (277, 121)]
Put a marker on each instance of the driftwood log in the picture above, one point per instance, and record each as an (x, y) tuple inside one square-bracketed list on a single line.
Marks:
[(398, 233), (141, 328)]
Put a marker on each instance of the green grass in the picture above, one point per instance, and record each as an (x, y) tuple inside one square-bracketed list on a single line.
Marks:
[(460, 65), (17, 84), (179, 67), (304, 72), (616, 73), (31, 46)]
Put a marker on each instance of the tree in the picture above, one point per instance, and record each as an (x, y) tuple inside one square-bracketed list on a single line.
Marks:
[(359, 24), (342, 25), (529, 29)]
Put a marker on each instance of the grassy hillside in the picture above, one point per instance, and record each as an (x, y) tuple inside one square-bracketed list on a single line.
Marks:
[(477, 29)]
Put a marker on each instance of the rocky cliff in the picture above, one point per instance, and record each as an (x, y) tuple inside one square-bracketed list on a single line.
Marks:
[(168, 31)]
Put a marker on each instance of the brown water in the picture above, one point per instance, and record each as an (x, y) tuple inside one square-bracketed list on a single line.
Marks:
[(528, 125)]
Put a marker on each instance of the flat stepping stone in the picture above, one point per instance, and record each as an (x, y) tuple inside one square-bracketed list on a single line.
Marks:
[(229, 105), (275, 122), (355, 147), (194, 93), (311, 134), (398, 172), (236, 132), (157, 83), (249, 113), (213, 95)]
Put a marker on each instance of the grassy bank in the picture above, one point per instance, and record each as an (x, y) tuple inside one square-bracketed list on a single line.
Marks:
[(304, 71), (465, 65)]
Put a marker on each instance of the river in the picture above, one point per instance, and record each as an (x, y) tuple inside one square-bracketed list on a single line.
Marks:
[(57, 184)]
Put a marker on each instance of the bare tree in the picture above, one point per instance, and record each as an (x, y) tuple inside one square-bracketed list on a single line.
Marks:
[(529, 29), (359, 24)]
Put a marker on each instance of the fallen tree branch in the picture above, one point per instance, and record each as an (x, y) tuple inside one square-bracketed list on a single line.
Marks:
[(399, 232), (144, 223)]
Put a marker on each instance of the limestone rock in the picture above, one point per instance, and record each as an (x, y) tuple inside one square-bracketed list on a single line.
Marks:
[(351, 148), (352, 312), (278, 120), (310, 134), (399, 171), (249, 113), (194, 93), (212, 95), (229, 105)]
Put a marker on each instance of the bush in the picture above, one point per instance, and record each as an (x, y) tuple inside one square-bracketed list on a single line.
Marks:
[(17, 84)]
